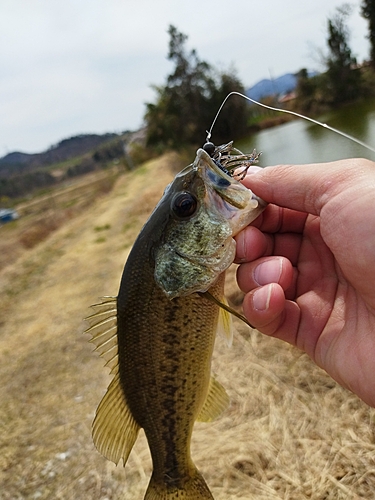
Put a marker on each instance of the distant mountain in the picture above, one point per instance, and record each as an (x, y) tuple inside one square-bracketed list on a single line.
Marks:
[(14, 158), (22, 173), (278, 86), (66, 149)]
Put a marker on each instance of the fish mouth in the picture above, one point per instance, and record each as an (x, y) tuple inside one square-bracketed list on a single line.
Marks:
[(204, 160), (233, 197)]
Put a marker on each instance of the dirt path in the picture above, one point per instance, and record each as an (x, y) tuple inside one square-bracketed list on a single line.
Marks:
[(290, 432)]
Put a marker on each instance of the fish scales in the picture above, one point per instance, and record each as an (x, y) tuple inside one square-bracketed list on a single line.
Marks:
[(175, 350), (159, 342)]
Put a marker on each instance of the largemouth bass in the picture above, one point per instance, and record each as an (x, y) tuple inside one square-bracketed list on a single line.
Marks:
[(157, 336)]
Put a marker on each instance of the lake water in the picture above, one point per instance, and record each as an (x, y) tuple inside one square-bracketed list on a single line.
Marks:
[(300, 141)]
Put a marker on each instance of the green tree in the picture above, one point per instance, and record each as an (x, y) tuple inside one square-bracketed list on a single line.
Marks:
[(232, 122), (186, 105), (368, 12), (343, 80), (306, 91)]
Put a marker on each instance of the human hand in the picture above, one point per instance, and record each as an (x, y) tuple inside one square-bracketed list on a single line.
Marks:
[(307, 265)]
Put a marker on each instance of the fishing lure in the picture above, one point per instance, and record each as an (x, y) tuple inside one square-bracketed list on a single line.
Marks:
[(227, 162)]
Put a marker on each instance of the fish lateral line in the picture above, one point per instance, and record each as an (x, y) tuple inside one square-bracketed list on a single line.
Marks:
[(207, 295), (294, 113)]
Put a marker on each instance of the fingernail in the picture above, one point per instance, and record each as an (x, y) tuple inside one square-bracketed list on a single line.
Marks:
[(253, 170), (268, 272), (240, 248), (262, 297)]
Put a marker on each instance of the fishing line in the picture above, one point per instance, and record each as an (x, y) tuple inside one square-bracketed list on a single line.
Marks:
[(316, 122)]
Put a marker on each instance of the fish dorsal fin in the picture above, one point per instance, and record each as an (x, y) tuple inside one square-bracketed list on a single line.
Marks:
[(216, 402), (114, 430), (103, 331)]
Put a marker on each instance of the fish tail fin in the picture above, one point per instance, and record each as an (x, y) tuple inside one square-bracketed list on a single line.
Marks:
[(194, 488)]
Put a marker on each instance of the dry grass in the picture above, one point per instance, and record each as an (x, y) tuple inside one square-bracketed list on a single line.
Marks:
[(46, 213), (290, 432)]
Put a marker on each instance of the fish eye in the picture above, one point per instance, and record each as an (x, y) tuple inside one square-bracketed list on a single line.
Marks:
[(184, 205)]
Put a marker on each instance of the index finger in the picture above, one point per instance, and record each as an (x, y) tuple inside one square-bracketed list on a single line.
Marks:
[(277, 219)]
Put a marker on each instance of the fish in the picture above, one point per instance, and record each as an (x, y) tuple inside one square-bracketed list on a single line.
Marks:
[(157, 335)]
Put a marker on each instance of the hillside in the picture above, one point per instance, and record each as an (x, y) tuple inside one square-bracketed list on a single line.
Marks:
[(290, 432), (64, 150), (22, 174)]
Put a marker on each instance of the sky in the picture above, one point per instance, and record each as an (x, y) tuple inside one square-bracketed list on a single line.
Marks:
[(69, 67)]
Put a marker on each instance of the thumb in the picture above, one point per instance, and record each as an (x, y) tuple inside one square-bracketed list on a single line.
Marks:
[(306, 188)]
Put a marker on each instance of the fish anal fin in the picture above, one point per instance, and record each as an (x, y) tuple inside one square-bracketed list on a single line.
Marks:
[(114, 429), (216, 402)]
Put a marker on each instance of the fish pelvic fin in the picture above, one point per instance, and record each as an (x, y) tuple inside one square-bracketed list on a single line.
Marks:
[(193, 488), (216, 402), (114, 430)]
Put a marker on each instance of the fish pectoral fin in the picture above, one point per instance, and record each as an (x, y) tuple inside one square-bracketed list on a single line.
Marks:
[(114, 430), (207, 295), (103, 331), (225, 326), (216, 402)]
